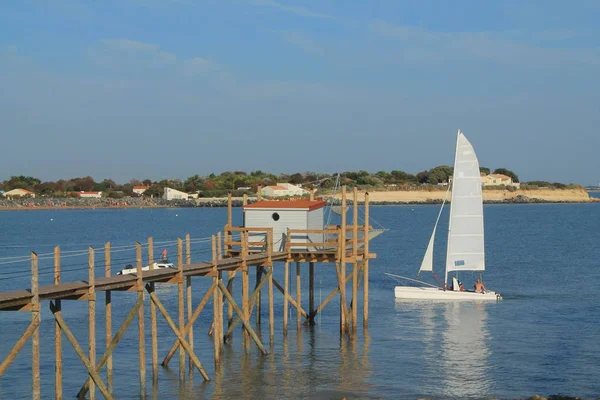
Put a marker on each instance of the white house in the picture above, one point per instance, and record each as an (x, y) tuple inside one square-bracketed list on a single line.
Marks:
[(283, 214), (498, 180), (140, 189), (19, 193), (284, 189), (93, 195), (172, 194)]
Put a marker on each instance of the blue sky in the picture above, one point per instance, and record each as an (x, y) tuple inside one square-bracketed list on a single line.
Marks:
[(171, 88)]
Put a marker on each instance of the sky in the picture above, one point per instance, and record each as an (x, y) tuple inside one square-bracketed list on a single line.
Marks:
[(158, 89)]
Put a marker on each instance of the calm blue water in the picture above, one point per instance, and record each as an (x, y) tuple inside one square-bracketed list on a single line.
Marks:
[(543, 338)]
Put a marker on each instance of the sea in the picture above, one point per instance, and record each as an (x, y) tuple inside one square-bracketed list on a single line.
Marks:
[(542, 338)]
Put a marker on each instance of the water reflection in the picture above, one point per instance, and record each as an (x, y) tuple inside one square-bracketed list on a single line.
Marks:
[(455, 342), (466, 350)]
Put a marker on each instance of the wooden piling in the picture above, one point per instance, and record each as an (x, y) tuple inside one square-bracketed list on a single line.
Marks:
[(259, 272), (107, 317), (271, 305), (245, 288), (180, 303), (153, 330), (311, 292), (366, 266), (217, 307), (141, 327), (354, 257), (286, 279), (188, 283), (342, 239), (92, 316), (58, 366), (35, 337), (298, 296), (259, 193)]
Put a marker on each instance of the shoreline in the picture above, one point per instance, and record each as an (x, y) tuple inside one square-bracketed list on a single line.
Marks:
[(383, 198)]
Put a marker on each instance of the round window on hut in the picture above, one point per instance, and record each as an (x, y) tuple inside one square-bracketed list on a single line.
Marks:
[(275, 216)]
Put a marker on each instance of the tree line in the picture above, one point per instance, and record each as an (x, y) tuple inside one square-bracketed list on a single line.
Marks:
[(235, 182)]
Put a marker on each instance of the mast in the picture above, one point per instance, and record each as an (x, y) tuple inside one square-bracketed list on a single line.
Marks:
[(450, 211)]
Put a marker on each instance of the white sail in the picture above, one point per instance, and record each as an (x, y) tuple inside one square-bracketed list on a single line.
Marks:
[(427, 263), (465, 231)]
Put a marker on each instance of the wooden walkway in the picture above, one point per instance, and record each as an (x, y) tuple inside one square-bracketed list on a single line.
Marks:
[(18, 299)]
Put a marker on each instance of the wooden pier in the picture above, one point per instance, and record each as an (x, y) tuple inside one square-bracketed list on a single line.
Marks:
[(233, 254)]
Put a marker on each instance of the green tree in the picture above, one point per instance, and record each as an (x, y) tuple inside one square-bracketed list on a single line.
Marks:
[(507, 172), (484, 170), (21, 182), (440, 174), (297, 178), (423, 177)]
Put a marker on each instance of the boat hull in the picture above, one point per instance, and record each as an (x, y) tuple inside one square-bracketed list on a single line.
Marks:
[(426, 293)]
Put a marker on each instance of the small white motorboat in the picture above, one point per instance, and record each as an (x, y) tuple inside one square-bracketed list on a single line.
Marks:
[(130, 269)]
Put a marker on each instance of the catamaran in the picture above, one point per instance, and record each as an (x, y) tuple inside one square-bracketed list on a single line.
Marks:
[(465, 251)]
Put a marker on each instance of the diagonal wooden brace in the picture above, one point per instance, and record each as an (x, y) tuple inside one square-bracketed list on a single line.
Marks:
[(67, 331), (252, 302), (290, 299), (188, 326), (177, 332), (19, 345), (112, 345), (326, 301), (243, 317)]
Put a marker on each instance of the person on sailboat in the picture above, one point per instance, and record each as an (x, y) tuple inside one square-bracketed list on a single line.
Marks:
[(479, 286)]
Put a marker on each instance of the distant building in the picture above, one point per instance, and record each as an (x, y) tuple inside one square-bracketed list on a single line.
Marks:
[(19, 193), (173, 194), (498, 180), (93, 195), (283, 189), (140, 189), (244, 188)]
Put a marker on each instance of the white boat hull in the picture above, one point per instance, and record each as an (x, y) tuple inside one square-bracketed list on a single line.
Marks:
[(426, 293)]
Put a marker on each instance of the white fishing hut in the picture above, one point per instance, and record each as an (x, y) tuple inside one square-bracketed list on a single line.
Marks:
[(282, 215)]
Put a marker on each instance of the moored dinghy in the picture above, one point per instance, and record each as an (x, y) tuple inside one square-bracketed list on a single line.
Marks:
[(466, 245)]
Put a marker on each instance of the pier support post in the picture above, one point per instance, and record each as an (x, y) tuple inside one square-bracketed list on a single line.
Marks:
[(311, 292), (141, 328), (92, 316), (35, 338), (217, 307), (181, 306), (153, 330), (259, 272), (107, 317), (188, 284), (245, 289), (354, 257), (271, 305), (58, 367), (342, 266), (298, 296), (366, 265), (286, 279)]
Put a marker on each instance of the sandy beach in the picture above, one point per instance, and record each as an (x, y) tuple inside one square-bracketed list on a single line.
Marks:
[(424, 196)]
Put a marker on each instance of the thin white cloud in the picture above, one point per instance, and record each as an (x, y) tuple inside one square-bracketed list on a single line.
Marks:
[(509, 48), (304, 42), (298, 10)]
